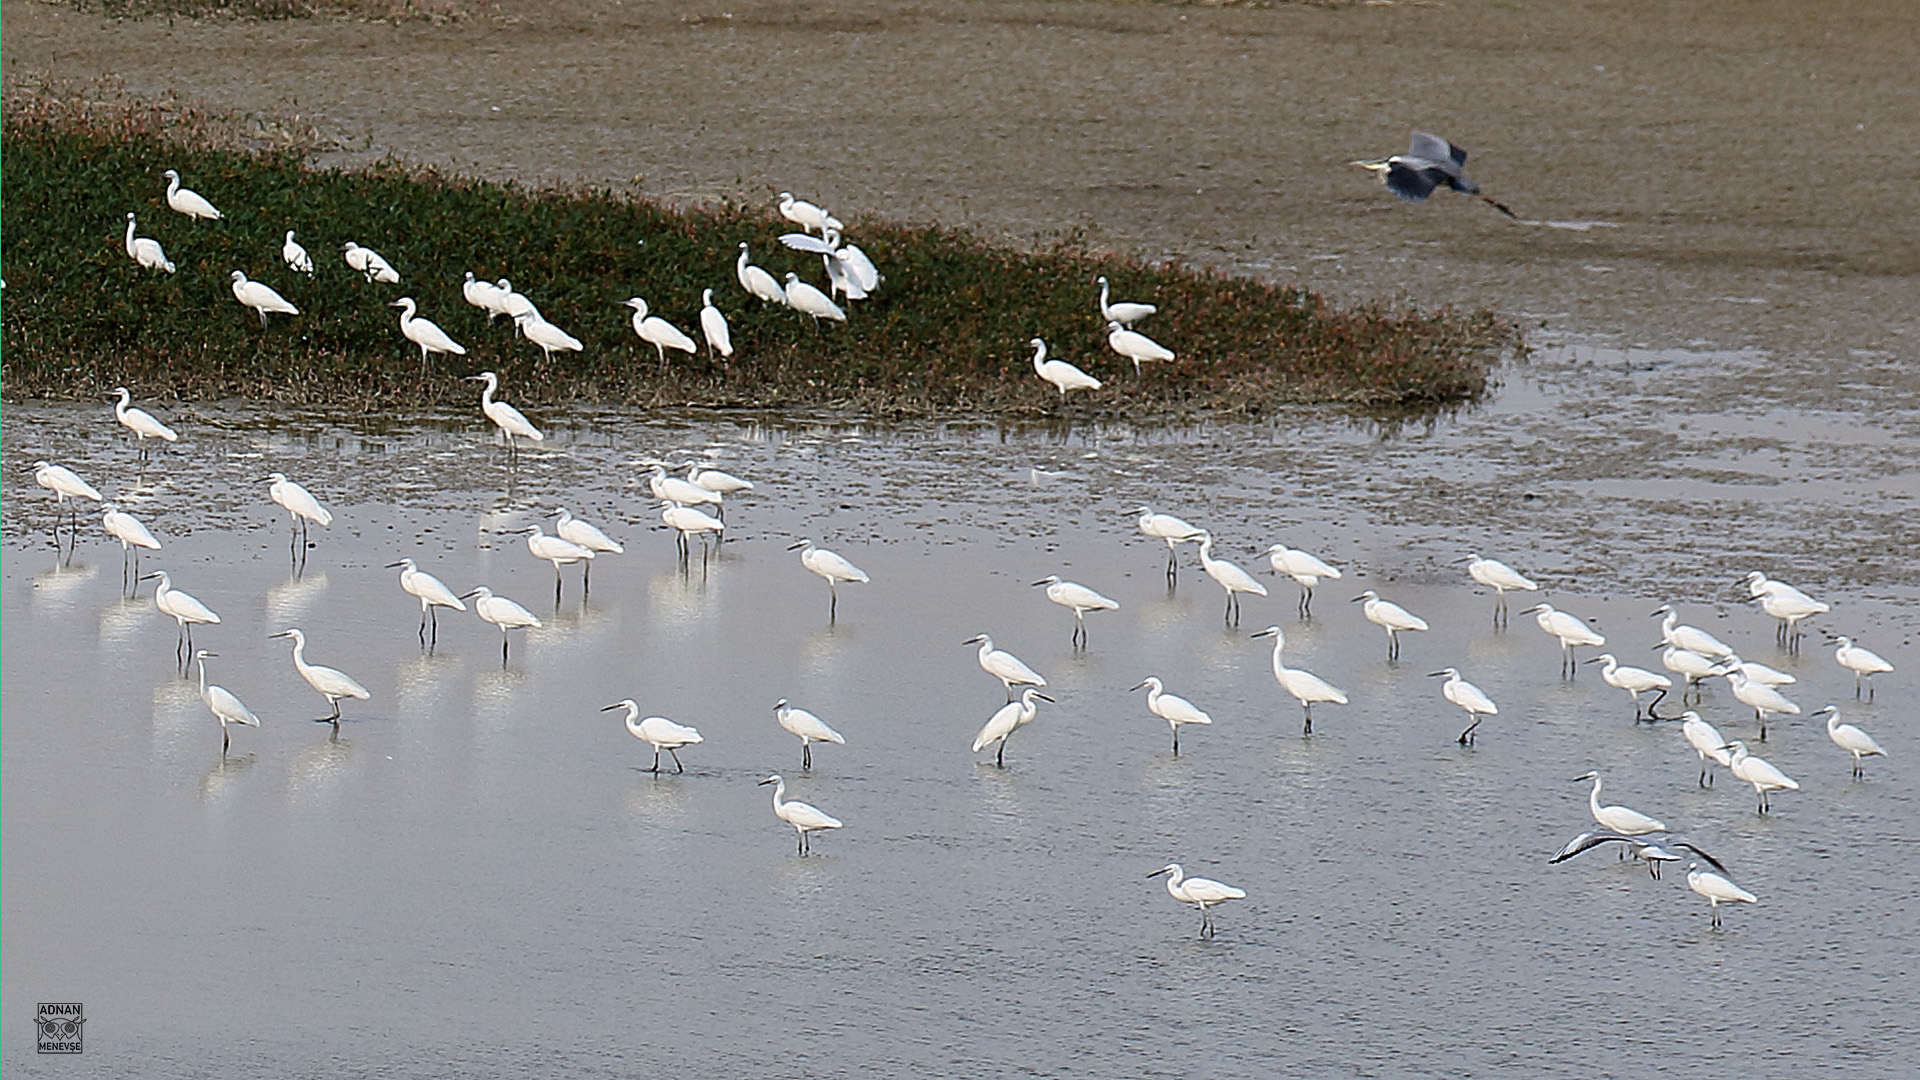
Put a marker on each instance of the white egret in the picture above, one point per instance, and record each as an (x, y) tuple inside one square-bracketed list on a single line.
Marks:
[(1634, 681), (1690, 638), (1651, 852), (514, 305), (1062, 375), (1305, 686), (1499, 577), (145, 250), (1760, 697), (181, 606), (1759, 585), (484, 295), (1230, 577), (1175, 710), (1851, 739), (849, 272), (1203, 893), (139, 421), (1072, 594), (658, 332), (1706, 741), (1717, 890), (1009, 718), (1135, 346), (685, 492), (1305, 569), (222, 702), (1790, 608), (587, 535), (369, 262), (1760, 673), (805, 819), (504, 416), (657, 732), (713, 327), (1122, 313), (65, 484), (187, 201), (1690, 665), (1169, 528), (260, 297), (295, 256), (1757, 771), (299, 503), (805, 214), (1568, 629), (502, 613), (1620, 819), (830, 566), (1864, 663), (431, 593), (808, 300), (425, 334), (806, 727), (690, 522), (720, 483), (551, 339), (757, 281), (1004, 666), (1389, 616), (332, 683), (1469, 697), (127, 529), (557, 550)]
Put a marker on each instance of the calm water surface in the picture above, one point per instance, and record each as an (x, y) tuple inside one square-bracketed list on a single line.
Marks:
[(476, 875)]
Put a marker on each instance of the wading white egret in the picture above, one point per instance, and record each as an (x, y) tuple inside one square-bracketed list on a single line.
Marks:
[(1760, 697), (805, 819), (1620, 819), (658, 332), (1759, 772), (1072, 594), (1706, 741), (127, 529), (1851, 739), (1651, 852), (332, 683), (1759, 673), (713, 327), (139, 421), (484, 295), (657, 732), (1690, 665), (1717, 890), (431, 593), (720, 483), (65, 484), (1230, 577), (1122, 313), (805, 726), (1306, 570), (1499, 577), (1203, 893), (587, 535), (805, 214), (299, 503), (504, 416), (1169, 528), (1690, 638), (295, 256), (145, 250), (1173, 709), (1389, 616), (1009, 718), (187, 201), (1864, 663), (501, 612), (425, 334), (1634, 681), (689, 522), (369, 262), (685, 492), (830, 566), (808, 300), (757, 281), (1430, 162), (222, 702), (1305, 686), (1135, 346), (186, 611), (260, 297), (1759, 585), (551, 339), (1469, 697), (1790, 608), (1570, 631), (1003, 665), (557, 550), (1062, 375)]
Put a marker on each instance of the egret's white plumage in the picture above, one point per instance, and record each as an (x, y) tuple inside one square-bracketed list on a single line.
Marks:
[(720, 483), (1760, 673), (139, 421), (1852, 740), (1568, 628), (584, 533), (1469, 697), (1009, 718), (1389, 616), (1620, 819), (713, 326), (484, 295), (298, 502), (431, 592), (658, 332), (1759, 585), (368, 262), (1169, 528), (1135, 346), (757, 281), (145, 250), (1122, 313), (674, 489), (657, 732), (1759, 697), (1499, 577), (504, 416), (1790, 608), (186, 611), (63, 482), (804, 818), (1864, 663), (295, 256), (805, 726), (551, 339), (502, 613), (849, 272), (1690, 665), (1305, 569), (1707, 742), (1229, 576), (1062, 375), (830, 566), (1633, 680), (514, 305), (424, 333), (225, 705), (260, 297), (1072, 594), (1203, 893), (1003, 665), (187, 201), (332, 683), (127, 529), (1175, 710), (806, 214), (1305, 686), (808, 300), (690, 523), (1716, 889), (1759, 772), (1690, 638), (557, 550)]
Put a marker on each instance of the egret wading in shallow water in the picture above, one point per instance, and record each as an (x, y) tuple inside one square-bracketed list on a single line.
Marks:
[(1634, 681), (1569, 630), (222, 702), (757, 281), (1469, 697), (720, 483), (713, 327), (425, 334), (1306, 570), (1691, 638), (1691, 666), (1169, 528), (65, 484), (145, 250), (431, 593), (1136, 346), (1171, 708), (576, 531), (501, 612), (1717, 890), (806, 727), (1430, 162), (1122, 313), (299, 504), (805, 819), (557, 550), (1499, 577), (139, 421), (1790, 608), (1004, 666), (1062, 375), (657, 732), (187, 201), (295, 256), (1072, 594), (332, 683), (504, 416), (1230, 577), (1620, 819), (1651, 852), (1706, 741), (1851, 739), (1864, 664), (182, 608), (658, 332), (688, 523), (684, 492), (1759, 772), (830, 566), (1010, 718), (132, 535), (1203, 893), (1759, 673), (368, 262), (1389, 616), (1760, 697), (260, 297), (1304, 686)]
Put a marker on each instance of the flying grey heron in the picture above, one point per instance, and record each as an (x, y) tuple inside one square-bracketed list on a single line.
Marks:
[(1430, 162)]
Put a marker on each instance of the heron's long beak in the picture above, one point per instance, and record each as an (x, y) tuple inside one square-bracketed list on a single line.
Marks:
[(1435, 674), (1042, 581), (150, 577), (471, 378), (1261, 633), (469, 595), (394, 565), (765, 782), (1158, 872), (610, 708), (1357, 599), (1044, 697), (1131, 689), (283, 633), (1595, 660), (796, 547)]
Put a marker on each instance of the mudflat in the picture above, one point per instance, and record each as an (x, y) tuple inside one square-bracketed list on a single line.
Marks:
[(1725, 173)]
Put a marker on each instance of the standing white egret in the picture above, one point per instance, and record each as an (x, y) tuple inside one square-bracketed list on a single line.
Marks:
[(1389, 616), (1851, 739), (805, 214), (713, 326), (1757, 771), (504, 416), (1620, 819), (484, 295), (1707, 742), (1568, 629), (1173, 709), (1122, 313), (295, 256), (757, 281), (720, 483), (145, 250), (332, 683), (1231, 578), (65, 484), (551, 339), (1305, 686), (690, 522), (1072, 594), (187, 201), (1062, 375), (1690, 665), (805, 726), (299, 504), (830, 566), (1169, 528), (1305, 569), (685, 492), (425, 334), (222, 702), (1790, 608), (139, 421), (182, 607), (1690, 638), (127, 529), (431, 593), (260, 297), (1135, 346), (1760, 697), (557, 550), (805, 819), (808, 300), (657, 732), (587, 535), (1499, 577), (501, 612), (1759, 585), (1203, 893), (514, 305), (1009, 718), (1717, 890), (658, 332), (1634, 681), (1864, 663), (1759, 673), (369, 262), (1004, 666), (1469, 697), (849, 272)]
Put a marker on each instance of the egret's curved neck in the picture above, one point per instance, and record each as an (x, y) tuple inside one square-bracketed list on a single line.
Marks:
[(1103, 300), (202, 661), (486, 396), (779, 794), (1039, 348), (129, 230), (1593, 797), (1278, 664)]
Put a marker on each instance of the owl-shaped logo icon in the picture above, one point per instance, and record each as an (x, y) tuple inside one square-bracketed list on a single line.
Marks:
[(59, 1025)]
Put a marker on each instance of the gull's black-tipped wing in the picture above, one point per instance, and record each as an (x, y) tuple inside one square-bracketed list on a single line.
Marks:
[(1717, 864), (1587, 841)]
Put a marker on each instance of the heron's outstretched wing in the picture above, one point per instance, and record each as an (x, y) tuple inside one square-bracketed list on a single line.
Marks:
[(1586, 841), (1412, 182), (1430, 147)]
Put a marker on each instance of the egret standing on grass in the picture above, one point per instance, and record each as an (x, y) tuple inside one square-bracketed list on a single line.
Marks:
[(1122, 313), (369, 262), (182, 608), (1009, 718), (1231, 578), (1620, 819), (127, 529), (805, 214), (65, 484), (1173, 709), (187, 201), (514, 305), (504, 416), (806, 820), (1851, 739), (502, 613), (1430, 162), (1717, 890), (713, 326), (1135, 346), (1004, 666), (1306, 571), (295, 256), (1305, 686), (805, 726), (1169, 528), (145, 250), (1634, 681), (484, 295), (332, 683), (260, 297), (1203, 893), (1469, 697), (1706, 741), (830, 566), (1499, 577), (757, 281), (1072, 594), (139, 421), (432, 594), (1569, 629), (585, 534), (299, 503), (1062, 375), (658, 732), (557, 550), (425, 334), (849, 272), (658, 332), (1864, 663), (551, 339), (808, 300), (225, 706), (1389, 616), (1759, 772)]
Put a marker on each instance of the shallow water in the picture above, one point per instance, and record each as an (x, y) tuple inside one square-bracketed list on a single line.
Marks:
[(476, 874)]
